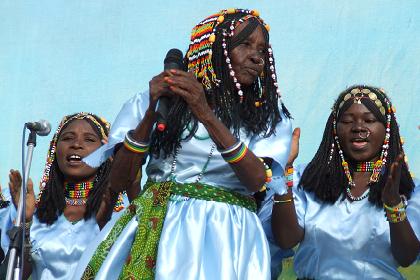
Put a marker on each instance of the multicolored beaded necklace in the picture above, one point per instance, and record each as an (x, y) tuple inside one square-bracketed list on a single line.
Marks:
[(77, 194), (368, 166)]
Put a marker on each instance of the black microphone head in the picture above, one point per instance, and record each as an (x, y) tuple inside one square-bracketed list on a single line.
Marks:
[(174, 59)]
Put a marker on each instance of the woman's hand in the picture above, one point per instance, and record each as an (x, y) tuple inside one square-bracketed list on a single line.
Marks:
[(294, 148), (15, 185), (391, 191), (185, 84), (158, 87)]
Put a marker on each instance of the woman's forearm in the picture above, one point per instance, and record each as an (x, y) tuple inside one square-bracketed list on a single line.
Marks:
[(405, 246), (286, 230), (250, 170), (126, 164)]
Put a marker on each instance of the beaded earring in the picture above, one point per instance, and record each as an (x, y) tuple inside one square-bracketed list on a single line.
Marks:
[(227, 60)]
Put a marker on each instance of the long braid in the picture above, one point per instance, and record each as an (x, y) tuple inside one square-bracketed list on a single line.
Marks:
[(51, 203), (95, 197), (323, 175)]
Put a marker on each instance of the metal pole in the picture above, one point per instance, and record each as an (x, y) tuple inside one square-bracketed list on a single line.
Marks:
[(15, 265)]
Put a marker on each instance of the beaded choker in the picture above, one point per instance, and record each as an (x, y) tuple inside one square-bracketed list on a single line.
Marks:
[(77, 194), (368, 166)]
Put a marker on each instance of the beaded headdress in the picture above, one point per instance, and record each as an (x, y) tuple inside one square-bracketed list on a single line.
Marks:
[(381, 101), (200, 52), (100, 123)]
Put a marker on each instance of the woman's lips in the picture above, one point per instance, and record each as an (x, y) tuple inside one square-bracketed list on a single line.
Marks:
[(359, 145)]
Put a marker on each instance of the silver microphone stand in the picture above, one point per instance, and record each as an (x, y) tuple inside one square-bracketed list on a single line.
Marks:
[(17, 233)]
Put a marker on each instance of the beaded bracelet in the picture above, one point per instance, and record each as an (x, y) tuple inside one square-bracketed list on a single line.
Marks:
[(230, 149), (268, 175), (28, 228), (396, 218), (135, 146), (398, 212), (289, 176), (237, 156)]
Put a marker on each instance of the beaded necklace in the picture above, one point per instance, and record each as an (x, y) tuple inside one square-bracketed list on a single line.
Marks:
[(77, 194), (368, 166), (198, 137), (172, 176)]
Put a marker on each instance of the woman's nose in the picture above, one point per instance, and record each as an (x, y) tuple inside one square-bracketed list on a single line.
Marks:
[(77, 144)]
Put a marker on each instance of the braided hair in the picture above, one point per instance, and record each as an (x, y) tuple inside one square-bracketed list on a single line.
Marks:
[(207, 60), (324, 175), (51, 200)]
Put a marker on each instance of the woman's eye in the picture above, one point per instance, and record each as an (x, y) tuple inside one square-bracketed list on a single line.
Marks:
[(346, 121), (370, 121), (90, 140)]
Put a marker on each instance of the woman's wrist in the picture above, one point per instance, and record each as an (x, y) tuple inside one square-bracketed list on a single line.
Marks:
[(283, 198)]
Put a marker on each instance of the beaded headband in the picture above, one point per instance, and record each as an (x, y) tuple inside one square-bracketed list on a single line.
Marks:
[(203, 36), (357, 94), (100, 123)]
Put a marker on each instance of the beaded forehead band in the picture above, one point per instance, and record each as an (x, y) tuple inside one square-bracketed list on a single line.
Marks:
[(357, 94), (200, 52), (102, 126)]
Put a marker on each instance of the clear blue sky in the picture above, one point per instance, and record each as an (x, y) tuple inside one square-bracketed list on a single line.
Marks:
[(60, 57)]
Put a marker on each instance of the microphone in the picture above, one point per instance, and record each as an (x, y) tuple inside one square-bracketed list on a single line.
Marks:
[(173, 60), (42, 127)]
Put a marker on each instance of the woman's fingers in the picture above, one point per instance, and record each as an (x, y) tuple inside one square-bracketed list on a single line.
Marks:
[(30, 189), (391, 191), (294, 148), (396, 171)]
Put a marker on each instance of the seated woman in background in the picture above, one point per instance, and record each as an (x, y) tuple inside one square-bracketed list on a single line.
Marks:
[(74, 201), (356, 210)]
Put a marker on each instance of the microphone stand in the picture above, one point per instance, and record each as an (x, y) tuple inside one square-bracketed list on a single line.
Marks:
[(17, 233)]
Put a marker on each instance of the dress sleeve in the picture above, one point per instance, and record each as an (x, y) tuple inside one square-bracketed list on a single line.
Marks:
[(299, 195), (413, 209), (130, 115), (299, 199), (276, 147), (7, 217)]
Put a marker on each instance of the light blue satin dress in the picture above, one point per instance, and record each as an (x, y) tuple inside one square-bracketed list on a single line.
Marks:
[(346, 240), (7, 217), (57, 248), (200, 239)]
